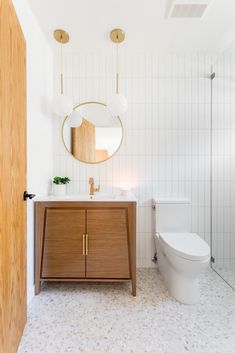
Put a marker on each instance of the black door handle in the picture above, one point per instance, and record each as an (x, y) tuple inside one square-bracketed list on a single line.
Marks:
[(28, 196)]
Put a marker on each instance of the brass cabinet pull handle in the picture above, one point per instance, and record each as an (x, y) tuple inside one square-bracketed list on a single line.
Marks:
[(83, 244), (86, 244)]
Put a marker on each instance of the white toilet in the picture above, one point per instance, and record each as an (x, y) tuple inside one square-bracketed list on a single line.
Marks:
[(181, 255)]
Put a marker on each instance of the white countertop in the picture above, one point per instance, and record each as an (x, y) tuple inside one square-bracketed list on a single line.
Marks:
[(84, 197)]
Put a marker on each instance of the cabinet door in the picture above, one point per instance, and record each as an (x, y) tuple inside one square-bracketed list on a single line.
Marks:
[(63, 244), (107, 244)]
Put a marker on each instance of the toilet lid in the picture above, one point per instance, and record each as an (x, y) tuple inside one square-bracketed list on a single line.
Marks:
[(187, 245)]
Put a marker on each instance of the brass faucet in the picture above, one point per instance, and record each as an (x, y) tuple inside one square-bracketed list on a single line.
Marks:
[(93, 189)]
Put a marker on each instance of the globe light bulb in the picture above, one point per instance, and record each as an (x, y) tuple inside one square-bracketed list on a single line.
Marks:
[(117, 105), (62, 105), (75, 119)]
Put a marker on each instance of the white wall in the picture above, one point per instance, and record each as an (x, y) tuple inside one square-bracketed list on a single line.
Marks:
[(223, 166), (39, 122), (166, 146)]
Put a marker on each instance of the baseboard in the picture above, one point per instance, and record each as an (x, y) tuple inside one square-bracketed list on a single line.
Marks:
[(30, 293)]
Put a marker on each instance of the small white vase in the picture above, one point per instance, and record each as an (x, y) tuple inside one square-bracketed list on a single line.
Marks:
[(59, 189)]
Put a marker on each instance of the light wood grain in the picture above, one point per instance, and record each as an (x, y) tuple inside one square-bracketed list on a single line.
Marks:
[(83, 142), (108, 244), (12, 180), (131, 214), (63, 243), (111, 229), (38, 241), (101, 155), (88, 280)]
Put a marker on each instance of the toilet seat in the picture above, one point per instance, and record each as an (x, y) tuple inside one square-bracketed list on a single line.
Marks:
[(186, 245)]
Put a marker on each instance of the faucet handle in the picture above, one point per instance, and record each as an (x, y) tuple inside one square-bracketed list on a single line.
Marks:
[(91, 180)]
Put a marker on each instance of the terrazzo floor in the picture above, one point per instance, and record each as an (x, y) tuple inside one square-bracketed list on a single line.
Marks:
[(105, 318), (227, 274)]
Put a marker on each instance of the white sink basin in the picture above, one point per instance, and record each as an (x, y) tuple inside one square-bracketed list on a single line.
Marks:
[(102, 197), (84, 197)]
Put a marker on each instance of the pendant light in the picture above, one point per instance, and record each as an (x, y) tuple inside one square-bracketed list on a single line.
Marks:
[(62, 104), (117, 104), (75, 118)]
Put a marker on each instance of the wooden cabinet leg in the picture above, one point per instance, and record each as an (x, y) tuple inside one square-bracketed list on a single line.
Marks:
[(37, 287), (133, 284)]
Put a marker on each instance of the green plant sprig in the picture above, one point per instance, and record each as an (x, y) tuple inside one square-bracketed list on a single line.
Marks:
[(61, 180)]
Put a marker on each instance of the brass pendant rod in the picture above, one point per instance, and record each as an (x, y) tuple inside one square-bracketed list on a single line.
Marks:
[(117, 67), (117, 83), (117, 36), (62, 37), (61, 68)]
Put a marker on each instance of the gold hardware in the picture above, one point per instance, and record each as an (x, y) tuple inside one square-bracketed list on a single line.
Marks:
[(61, 36), (93, 189), (117, 35), (86, 244), (83, 245)]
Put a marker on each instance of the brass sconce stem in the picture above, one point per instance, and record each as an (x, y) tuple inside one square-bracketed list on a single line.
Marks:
[(117, 83), (117, 36), (62, 37), (117, 63), (61, 69)]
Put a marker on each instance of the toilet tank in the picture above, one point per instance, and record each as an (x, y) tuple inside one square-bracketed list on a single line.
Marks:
[(171, 215)]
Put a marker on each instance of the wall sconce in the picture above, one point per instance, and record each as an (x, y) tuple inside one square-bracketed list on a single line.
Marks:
[(62, 105), (117, 104)]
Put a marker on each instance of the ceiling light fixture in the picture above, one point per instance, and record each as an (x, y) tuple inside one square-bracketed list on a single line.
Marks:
[(62, 105), (117, 104)]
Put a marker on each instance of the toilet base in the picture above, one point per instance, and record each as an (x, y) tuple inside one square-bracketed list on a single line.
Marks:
[(182, 278), (184, 289), (180, 275)]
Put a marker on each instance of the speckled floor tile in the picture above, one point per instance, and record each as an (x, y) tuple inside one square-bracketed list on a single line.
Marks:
[(227, 274), (105, 318)]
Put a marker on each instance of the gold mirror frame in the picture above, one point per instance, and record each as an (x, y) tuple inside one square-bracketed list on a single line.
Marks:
[(80, 105)]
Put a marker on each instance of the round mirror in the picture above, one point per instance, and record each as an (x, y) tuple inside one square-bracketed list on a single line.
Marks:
[(96, 136)]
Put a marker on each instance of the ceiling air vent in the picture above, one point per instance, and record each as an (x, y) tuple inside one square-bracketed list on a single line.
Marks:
[(187, 8)]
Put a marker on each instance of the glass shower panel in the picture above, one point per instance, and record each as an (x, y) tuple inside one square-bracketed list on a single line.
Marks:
[(223, 170)]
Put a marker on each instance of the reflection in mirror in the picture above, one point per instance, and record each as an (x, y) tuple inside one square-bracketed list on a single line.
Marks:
[(98, 137)]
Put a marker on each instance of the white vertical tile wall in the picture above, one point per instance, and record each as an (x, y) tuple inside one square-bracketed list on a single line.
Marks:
[(223, 171), (166, 145)]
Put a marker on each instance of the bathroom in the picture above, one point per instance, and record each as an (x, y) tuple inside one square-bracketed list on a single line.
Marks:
[(171, 172)]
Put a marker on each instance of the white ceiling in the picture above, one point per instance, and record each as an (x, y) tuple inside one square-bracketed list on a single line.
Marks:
[(147, 27)]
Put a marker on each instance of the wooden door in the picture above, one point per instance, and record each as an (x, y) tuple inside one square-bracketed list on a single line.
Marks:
[(107, 244), (101, 155), (83, 141), (63, 249), (12, 179)]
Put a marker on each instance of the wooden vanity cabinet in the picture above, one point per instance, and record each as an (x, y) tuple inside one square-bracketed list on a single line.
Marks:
[(85, 241), (108, 244), (63, 243)]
